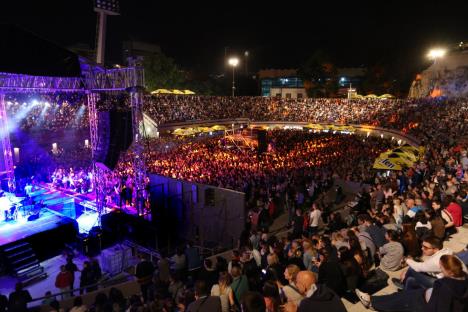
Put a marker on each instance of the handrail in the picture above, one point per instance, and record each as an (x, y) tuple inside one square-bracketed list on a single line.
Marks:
[(100, 283), (362, 127)]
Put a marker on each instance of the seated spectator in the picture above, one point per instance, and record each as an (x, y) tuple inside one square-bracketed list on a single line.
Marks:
[(330, 273), (424, 274), (317, 297), (455, 210), (290, 291), (450, 293), (423, 226), (391, 254), (437, 223), (410, 240), (377, 233)]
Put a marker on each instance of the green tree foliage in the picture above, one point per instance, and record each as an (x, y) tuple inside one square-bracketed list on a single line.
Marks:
[(161, 72)]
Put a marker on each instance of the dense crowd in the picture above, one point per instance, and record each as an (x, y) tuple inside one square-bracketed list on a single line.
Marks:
[(38, 112), (62, 111), (399, 221)]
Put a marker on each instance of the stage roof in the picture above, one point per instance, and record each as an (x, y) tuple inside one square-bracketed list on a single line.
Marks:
[(22, 52)]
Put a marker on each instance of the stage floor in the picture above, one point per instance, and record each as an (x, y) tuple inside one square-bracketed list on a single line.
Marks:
[(60, 204), (11, 231)]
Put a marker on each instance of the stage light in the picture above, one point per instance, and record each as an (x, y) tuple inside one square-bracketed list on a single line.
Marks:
[(16, 152), (111, 7), (86, 143)]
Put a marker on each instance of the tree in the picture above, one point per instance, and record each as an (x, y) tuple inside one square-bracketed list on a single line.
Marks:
[(161, 72), (319, 75)]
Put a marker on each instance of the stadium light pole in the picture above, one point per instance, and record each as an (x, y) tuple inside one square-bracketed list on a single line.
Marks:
[(104, 8), (233, 61)]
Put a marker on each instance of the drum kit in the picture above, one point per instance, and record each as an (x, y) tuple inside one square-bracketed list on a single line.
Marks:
[(10, 205)]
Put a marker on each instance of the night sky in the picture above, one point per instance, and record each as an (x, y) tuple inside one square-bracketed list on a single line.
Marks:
[(277, 34)]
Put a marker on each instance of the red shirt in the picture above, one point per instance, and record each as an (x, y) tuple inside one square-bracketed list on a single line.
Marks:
[(455, 211), (63, 280)]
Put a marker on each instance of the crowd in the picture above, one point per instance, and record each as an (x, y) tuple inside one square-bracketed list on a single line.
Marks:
[(392, 113), (52, 112), (210, 161), (399, 222)]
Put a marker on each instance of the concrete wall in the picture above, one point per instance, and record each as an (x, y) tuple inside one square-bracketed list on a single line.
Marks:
[(292, 91)]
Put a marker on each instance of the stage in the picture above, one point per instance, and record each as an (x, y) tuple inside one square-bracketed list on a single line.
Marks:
[(58, 205), (12, 231), (49, 212)]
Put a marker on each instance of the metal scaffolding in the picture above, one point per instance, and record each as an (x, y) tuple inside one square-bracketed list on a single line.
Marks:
[(6, 145), (99, 178), (136, 102), (95, 80)]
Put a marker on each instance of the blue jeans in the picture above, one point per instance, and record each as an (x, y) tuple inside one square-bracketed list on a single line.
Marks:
[(417, 280), (407, 300), (463, 256)]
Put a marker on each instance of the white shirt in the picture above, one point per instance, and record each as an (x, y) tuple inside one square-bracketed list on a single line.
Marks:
[(311, 291), (431, 265), (315, 217)]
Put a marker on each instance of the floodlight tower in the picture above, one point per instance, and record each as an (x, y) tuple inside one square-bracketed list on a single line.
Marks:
[(233, 61), (436, 54), (104, 8)]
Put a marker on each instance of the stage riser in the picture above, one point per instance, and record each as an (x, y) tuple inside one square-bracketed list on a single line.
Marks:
[(49, 243)]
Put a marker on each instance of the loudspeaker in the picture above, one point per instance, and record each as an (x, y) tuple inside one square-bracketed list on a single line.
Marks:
[(262, 141), (114, 135), (209, 197)]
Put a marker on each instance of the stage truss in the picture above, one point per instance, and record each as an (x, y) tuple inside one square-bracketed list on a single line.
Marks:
[(95, 80), (239, 140)]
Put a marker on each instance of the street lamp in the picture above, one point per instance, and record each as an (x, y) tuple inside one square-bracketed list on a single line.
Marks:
[(233, 61)]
